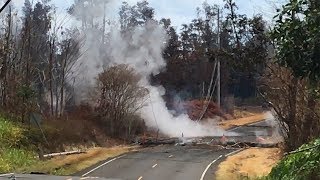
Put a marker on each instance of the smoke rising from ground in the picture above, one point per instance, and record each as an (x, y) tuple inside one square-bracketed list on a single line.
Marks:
[(142, 50)]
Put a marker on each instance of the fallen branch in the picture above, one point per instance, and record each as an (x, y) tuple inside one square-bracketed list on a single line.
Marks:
[(63, 154)]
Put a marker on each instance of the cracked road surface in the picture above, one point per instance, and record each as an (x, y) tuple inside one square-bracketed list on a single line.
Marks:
[(174, 162), (163, 162), (166, 162)]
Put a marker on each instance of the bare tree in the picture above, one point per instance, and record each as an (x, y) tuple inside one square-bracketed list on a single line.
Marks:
[(120, 97), (288, 96)]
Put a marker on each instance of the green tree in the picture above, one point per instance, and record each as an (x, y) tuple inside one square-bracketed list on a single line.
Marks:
[(297, 38), (136, 15), (297, 41)]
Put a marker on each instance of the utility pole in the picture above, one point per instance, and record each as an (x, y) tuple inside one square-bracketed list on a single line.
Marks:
[(219, 65)]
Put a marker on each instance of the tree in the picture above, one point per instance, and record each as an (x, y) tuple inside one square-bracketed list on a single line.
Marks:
[(88, 12), (296, 36), (248, 49), (119, 98), (134, 16), (172, 51)]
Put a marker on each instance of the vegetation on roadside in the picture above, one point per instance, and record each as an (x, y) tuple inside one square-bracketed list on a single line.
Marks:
[(302, 164), (71, 164), (15, 149), (240, 165)]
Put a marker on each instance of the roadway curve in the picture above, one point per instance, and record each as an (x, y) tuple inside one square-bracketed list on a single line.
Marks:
[(168, 162), (162, 162)]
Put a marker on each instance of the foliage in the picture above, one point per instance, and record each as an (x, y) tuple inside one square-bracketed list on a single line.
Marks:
[(248, 41), (191, 54), (135, 15), (300, 165), (10, 134), (288, 98), (119, 98), (297, 38), (37, 58), (12, 159), (14, 149)]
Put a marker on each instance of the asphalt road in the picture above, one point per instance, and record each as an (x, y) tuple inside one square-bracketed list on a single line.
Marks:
[(162, 163), (44, 177), (167, 162), (190, 162)]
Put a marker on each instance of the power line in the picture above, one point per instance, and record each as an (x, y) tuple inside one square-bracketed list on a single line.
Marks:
[(154, 115), (5, 5)]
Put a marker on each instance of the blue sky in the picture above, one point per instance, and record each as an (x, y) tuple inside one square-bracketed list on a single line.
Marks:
[(180, 11)]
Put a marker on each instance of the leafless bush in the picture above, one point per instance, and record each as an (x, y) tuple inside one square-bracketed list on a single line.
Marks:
[(120, 97), (290, 98)]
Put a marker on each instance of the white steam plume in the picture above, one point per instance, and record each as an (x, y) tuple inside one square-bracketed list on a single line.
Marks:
[(143, 52), (147, 60)]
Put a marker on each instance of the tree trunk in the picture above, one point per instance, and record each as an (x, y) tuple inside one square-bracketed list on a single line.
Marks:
[(310, 120), (6, 60), (51, 76)]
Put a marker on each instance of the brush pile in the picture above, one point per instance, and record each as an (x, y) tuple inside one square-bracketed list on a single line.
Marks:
[(196, 108)]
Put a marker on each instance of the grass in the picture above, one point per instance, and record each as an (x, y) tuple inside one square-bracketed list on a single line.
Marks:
[(248, 164), (12, 158), (17, 153), (68, 165), (10, 134), (12, 153)]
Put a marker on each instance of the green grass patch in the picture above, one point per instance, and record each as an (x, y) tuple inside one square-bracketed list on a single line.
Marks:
[(300, 165), (11, 135), (13, 159), (15, 149)]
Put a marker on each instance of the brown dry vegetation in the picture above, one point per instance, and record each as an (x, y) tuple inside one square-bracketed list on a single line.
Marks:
[(250, 163), (295, 106), (242, 121), (77, 128), (68, 165), (196, 109)]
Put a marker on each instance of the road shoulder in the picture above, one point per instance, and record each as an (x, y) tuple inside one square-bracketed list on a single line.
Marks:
[(228, 124), (240, 165), (71, 164)]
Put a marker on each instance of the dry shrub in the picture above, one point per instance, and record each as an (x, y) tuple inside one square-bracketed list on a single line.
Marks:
[(79, 127), (119, 98), (290, 98)]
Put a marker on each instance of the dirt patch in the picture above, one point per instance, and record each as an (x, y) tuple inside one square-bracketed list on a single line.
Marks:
[(250, 163), (68, 165), (242, 121)]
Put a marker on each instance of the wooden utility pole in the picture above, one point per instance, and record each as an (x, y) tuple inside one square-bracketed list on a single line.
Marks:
[(219, 65)]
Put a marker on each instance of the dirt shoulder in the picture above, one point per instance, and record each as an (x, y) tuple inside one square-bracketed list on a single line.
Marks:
[(68, 165), (249, 163), (242, 121)]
